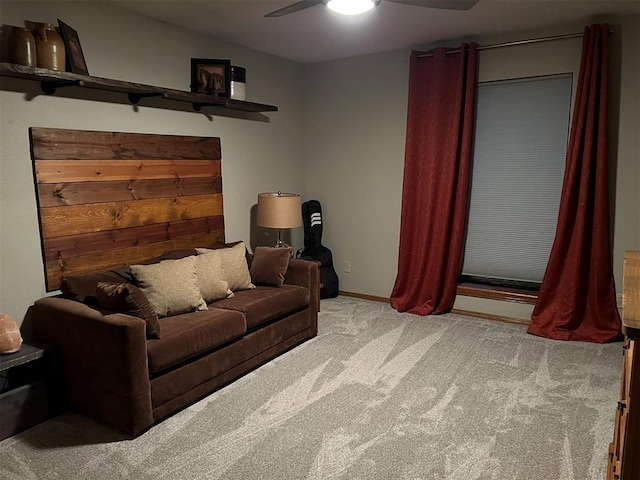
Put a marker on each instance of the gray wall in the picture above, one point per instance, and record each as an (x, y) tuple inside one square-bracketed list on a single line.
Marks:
[(338, 137), (355, 129), (117, 44), (355, 132)]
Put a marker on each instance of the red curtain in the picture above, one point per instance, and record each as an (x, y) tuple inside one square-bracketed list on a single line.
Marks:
[(577, 296), (442, 94)]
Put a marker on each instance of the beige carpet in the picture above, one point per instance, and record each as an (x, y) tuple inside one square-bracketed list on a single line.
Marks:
[(378, 395)]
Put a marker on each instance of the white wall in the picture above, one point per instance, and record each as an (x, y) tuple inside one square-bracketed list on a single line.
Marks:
[(117, 44), (355, 133)]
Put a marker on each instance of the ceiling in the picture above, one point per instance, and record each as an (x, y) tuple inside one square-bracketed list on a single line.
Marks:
[(318, 34)]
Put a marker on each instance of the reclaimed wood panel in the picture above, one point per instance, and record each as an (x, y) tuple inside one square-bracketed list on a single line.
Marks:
[(99, 217), (56, 269), (62, 144), (56, 171), (107, 199), (96, 242), (80, 193), (186, 228)]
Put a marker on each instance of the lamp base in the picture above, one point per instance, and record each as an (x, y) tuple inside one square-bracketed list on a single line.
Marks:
[(280, 243)]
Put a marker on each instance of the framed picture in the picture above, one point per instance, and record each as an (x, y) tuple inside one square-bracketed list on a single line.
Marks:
[(211, 76), (75, 58)]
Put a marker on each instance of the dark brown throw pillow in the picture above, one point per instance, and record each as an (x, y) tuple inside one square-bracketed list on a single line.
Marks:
[(270, 265), (129, 299), (82, 288)]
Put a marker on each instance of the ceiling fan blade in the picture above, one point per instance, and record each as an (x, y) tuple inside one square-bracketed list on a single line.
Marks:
[(296, 7), (444, 4)]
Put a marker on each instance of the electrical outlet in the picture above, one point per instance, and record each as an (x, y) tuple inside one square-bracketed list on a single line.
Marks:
[(619, 300), (346, 266)]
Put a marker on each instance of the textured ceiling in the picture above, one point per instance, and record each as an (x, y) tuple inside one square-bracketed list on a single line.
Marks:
[(318, 34)]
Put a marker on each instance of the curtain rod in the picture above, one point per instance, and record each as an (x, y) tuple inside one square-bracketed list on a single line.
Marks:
[(511, 44)]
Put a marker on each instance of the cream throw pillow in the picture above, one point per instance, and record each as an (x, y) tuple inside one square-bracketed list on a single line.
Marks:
[(211, 278), (171, 286), (234, 265)]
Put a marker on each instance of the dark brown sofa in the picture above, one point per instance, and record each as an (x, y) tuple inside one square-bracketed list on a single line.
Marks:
[(114, 373)]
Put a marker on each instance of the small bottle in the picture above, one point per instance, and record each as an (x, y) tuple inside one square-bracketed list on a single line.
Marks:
[(238, 83)]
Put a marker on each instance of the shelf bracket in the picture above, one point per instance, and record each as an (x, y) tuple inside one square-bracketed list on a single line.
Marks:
[(135, 97), (49, 88), (198, 106)]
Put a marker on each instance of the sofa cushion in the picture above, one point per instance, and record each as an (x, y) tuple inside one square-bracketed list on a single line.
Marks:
[(219, 245), (129, 299), (270, 265), (125, 271), (82, 288), (234, 265), (171, 286), (263, 304), (191, 334), (211, 278)]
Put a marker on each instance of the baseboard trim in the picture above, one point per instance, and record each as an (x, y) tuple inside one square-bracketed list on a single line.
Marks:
[(489, 316), (365, 297), (466, 313)]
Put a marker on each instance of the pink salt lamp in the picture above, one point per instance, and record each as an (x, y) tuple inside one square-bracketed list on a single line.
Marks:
[(10, 338)]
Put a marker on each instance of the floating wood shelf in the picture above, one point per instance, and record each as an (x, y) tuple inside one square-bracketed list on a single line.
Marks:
[(51, 81)]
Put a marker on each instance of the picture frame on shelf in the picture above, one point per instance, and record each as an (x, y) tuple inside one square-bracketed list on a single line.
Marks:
[(211, 76), (75, 58)]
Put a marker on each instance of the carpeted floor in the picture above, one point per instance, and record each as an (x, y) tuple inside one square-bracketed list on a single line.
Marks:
[(377, 395)]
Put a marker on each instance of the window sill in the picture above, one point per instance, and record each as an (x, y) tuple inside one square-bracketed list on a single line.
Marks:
[(505, 294)]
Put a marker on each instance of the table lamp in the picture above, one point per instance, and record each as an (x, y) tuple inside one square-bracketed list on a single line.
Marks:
[(279, 210)]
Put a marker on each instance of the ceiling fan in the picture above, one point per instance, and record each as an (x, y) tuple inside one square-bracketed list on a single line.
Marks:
[(368, 4)]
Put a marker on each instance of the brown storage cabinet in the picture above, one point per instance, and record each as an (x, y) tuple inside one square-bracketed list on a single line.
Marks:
[(624, 451)]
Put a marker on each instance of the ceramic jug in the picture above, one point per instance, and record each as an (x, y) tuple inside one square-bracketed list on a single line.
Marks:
[(49, 47), (22, 47)]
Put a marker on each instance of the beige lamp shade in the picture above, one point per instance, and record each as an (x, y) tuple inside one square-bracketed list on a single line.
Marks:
[(279, 210)]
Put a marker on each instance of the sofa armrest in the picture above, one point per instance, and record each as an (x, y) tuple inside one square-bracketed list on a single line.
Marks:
[(105, 360), (305, 273)]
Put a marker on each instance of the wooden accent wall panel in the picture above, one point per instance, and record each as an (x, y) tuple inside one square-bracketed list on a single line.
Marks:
[(108, 199)]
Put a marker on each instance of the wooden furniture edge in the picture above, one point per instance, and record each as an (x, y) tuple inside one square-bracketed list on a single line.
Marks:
[(631, 294), (505, 294)]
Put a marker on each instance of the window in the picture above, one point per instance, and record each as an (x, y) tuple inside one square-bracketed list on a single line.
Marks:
[(518, 167)]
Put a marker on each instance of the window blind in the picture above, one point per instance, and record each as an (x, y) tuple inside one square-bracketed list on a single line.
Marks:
[(518, 167)]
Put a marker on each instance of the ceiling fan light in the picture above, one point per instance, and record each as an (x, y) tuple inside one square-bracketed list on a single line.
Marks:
[(351, 7)]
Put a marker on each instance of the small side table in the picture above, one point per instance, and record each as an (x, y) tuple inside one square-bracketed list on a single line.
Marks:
[(31, 387)]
